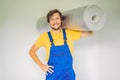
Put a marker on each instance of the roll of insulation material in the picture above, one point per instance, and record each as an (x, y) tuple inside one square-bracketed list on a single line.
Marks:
[(85, 18), (88, 18)]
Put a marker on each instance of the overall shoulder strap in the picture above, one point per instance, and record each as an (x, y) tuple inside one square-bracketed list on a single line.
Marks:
[(50, 37), (64, 36)]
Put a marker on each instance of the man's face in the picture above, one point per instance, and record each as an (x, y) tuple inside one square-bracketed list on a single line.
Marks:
[(55, 21)]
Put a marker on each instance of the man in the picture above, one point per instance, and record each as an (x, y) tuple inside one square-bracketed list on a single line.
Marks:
[(58, 43)]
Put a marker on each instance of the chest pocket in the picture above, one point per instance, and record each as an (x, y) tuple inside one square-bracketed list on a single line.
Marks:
[(60, 56)]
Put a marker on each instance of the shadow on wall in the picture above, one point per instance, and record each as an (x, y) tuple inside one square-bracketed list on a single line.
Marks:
[(42, 25)]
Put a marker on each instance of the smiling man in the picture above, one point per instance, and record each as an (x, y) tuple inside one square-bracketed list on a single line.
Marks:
[(58, 43)]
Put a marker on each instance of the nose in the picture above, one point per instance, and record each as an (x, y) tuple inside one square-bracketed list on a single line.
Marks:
[(55, 20)]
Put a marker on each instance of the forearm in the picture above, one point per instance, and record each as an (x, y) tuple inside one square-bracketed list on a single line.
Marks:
[(86, 33), (35, 58)]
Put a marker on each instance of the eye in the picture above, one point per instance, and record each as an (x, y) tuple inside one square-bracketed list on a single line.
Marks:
[(57, 18), (52, 19)]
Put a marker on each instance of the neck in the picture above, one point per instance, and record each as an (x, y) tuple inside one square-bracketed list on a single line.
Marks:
[(56, 31)]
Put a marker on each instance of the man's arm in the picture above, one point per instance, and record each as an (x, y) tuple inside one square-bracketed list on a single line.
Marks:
[(86, 33), (32, 53), (44, 67)]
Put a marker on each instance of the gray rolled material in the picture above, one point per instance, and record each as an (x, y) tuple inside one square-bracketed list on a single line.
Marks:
[(88, 18), (85, 18)]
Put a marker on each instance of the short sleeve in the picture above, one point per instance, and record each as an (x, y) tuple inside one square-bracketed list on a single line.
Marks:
[(40, 41), (75, 35)]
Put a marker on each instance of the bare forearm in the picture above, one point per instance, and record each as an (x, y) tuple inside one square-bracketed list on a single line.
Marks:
[(35, 58), (86, 33)]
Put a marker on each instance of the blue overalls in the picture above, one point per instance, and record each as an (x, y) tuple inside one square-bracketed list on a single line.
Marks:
[(61, 59)]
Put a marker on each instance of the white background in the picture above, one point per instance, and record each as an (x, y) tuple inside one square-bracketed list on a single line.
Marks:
[(96, 57)]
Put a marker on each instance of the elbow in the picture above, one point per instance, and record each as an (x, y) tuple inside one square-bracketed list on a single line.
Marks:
[(91, 32), (31, 52)]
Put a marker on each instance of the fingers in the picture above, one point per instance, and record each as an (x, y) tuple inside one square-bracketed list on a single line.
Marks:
[(51, 66), (50, 70)]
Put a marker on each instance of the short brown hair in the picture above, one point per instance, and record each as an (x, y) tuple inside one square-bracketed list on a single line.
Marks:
[(50, 13)]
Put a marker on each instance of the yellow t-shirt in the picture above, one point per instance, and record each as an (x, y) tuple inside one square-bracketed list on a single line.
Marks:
[(43, 40)]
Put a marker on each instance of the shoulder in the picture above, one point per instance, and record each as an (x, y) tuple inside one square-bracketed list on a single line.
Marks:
[(43, 35)]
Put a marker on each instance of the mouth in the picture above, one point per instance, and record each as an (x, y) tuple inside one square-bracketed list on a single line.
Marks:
[(56, 24)]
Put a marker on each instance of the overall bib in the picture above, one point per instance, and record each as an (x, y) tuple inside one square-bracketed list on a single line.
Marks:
[(61, 59)]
